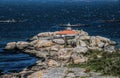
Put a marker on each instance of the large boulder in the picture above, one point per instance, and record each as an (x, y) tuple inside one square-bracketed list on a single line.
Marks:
[(33, 42), (113, 43), (56, 47), (45, 34), (92, 41), (80, 49), (40, 54), (59, 41), (10, 46), (43, 43), (84, 37), (98, 41), (101, 44), (22, 45), (103, 39), (95, 48), (64, 54), (109, 48), (52, 63), (78, 58), (33, 38), (82, 43)]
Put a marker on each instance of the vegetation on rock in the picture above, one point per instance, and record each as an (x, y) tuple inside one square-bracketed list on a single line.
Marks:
[(104, 62)]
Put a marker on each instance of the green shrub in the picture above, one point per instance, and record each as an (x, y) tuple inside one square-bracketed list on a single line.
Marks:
[(108, 64)]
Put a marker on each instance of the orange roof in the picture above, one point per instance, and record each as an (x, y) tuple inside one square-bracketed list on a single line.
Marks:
[(65, 32)]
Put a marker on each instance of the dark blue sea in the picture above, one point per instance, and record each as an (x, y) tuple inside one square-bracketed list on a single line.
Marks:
[(41, 16)]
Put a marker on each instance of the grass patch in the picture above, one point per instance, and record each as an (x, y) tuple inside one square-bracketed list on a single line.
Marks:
[(108, 64)]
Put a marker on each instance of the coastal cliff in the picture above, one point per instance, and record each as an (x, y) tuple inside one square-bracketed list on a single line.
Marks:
[(58, 50)]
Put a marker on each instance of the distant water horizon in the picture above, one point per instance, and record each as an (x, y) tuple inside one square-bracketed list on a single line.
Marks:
[(45, 16)]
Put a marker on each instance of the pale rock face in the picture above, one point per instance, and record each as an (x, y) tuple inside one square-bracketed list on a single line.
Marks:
[(77, 58), (106, 44), (64, 54), (113, 43), (99, 56), (70, 75), (10, 46), (21, 45), (34, 42), (82, 43), (43, 43), (98, 41), (95, 48), (109, 48), (56, 47), (45, 34), (80, 49), (37, 74), (84, 37), (80, 60), (101, 44), (103, 39), (52, 63), (92, 41), (59, 41)]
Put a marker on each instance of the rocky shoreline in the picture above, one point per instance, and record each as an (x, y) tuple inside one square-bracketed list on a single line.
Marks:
[(58, 51)]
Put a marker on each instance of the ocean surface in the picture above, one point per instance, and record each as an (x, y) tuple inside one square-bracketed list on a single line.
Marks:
[(33, 17)]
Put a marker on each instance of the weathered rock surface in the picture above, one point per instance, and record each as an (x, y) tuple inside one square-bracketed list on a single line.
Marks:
[(56, 48), (58, 72), (109, 49), (57, 53), (43, 43), (21, 45), (82, 43), (53, 63), (10, 46), (80, 49), (84, 37), (83, 40), (78, 58), (64, 54), (101, 44), (59, 41), (55, 72)]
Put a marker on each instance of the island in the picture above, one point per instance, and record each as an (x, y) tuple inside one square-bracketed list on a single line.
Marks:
[(67, 54)]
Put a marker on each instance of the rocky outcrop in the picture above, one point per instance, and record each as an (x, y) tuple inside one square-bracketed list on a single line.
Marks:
[(10, 46), (56, 52), (59, 41), (57, 48), (22, 45), (53, 63), (109, 48), (78, 58), (84, 37), (43, 43), (65, 54), (80, 49)]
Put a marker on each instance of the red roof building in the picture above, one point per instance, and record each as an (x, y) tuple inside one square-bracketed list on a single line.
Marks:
[(67, 32)]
